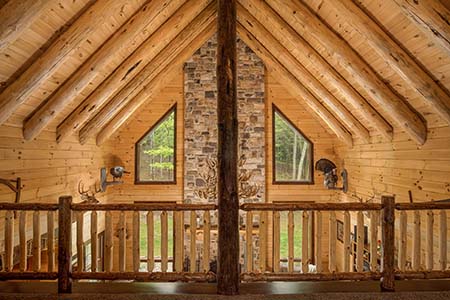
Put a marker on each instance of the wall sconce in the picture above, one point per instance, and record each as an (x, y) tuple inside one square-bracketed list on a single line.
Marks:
[(330, 175)]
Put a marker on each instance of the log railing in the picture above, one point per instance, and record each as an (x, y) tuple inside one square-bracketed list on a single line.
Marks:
[(116, 216), (423, 243), (23, 214), (312, 267), (329, 249)]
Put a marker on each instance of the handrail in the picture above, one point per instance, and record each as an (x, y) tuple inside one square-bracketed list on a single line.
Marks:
[(143, 207), (311, 206), (422, 205), (28, 206)]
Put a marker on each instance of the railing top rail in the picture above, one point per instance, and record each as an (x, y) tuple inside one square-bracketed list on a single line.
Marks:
[(422, 205), (28, 206), (311, 206), (143, 207)]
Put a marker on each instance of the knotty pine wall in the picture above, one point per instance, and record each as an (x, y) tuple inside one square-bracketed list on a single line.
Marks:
[(48, 170), (398, 166), (123, 147)]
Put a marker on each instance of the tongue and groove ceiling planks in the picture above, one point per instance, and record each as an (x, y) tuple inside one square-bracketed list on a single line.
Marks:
[(364, 67)]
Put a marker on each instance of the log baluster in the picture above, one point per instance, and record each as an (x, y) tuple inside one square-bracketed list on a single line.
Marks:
[(443, 240), (136, 242), (80, 240), (36, 241), (178, 240), (262, 240), (193, 241), (50, 241), (416, 242), (291, 227), (310, 236), (108, 242), (305, 235), (373, 240), (403, 241), (429, 240), (347, 241), (276, 241), (332, 242), (164, 241), (23, 240), (319, 242), (94, 241), (122, 241), (9, 240), (150, 242), (249, 241), (359, 241), (206, 240)]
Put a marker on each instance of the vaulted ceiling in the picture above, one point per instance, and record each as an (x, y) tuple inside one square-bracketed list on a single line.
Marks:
[(364, 67)]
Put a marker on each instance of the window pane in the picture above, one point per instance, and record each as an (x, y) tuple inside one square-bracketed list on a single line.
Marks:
[(156, 152), (293, 152)]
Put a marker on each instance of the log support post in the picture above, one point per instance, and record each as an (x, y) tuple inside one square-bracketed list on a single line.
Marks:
[(388, 237), (228, 202), (65, 245)]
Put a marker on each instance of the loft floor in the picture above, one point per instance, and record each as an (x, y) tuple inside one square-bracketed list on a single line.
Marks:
[(410, 290)]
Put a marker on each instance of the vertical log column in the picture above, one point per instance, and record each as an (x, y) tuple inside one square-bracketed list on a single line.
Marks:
[(228, 202), (65, 245), (388, 230)]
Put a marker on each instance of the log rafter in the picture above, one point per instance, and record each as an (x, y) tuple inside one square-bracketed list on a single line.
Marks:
[(130, 68), (294, 86), (338, 53), (315, 64), (153, 87), (411, 73), (301, 73), (145, 21), (431, 18), (54, 58), (145, 83)]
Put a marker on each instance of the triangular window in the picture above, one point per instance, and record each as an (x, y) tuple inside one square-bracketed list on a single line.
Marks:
[(292, 152), (155, 152)]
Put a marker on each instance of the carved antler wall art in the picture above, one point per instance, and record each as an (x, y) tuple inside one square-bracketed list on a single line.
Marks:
[(209, 192)]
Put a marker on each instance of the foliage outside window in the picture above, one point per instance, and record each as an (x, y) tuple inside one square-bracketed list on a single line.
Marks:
[(155, 152), (292, 152)]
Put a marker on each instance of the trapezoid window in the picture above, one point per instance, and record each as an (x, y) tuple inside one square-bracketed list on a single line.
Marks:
[(155, 152), (292, 152)]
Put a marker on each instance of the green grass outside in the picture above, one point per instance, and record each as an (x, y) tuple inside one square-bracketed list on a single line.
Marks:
[(156, 235), (284, 235)]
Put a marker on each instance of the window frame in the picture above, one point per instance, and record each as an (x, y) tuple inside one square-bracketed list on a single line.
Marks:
[(137, 179), (275, 110)]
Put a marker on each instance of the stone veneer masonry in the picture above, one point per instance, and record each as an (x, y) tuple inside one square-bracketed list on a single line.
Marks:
[(200, 118), (200, 124)]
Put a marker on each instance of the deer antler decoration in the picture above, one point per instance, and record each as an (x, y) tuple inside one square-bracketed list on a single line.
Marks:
[(84, 194), (209, 192)]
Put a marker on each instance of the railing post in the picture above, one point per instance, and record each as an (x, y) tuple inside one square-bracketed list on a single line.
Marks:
[(65, 245), (388, 232)]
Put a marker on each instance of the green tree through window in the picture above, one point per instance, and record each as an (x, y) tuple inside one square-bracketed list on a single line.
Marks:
[(155, 151), (292, 152)]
